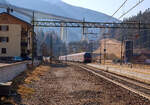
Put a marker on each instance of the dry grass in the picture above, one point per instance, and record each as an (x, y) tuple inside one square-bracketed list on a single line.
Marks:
[(27, 92), (34, 76), (136, 68), (21, 87)]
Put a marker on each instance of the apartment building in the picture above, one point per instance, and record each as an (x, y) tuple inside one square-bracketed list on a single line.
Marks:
[(15, 36)]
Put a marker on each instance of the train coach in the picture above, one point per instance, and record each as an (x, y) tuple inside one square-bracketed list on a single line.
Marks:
[(84, 57)]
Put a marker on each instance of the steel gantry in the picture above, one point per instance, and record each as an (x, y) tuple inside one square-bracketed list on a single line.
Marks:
[(71, 24)]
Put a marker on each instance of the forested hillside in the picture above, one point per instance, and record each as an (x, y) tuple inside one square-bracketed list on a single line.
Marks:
[(141, 37)]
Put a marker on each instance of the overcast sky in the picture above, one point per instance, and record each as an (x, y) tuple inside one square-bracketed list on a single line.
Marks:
[(110, 6)]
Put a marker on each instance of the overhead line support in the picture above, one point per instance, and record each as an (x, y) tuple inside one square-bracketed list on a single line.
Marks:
[(130, 25)]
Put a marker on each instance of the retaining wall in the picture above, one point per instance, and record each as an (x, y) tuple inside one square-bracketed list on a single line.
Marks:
[(7, 73)]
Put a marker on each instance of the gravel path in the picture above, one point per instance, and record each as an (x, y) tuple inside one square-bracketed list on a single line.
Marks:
[(69, 85)]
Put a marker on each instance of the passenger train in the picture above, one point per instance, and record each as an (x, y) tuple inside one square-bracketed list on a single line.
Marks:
[(84, 57)]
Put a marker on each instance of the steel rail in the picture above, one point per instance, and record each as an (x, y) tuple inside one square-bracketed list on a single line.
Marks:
[(119, 84), (136, 91), (124, 79)]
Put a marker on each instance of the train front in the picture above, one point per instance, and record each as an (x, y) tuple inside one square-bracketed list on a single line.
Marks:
[(87, 58)]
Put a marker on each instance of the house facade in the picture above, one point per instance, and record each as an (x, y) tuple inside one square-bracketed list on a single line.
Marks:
[(15, 36), (113, 48)]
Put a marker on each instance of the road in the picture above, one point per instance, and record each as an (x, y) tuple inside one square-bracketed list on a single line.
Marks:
[(4, 64), (70, 85)]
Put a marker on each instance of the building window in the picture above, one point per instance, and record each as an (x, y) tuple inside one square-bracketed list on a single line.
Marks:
[(3, 51), (4, 39), (4, 28)]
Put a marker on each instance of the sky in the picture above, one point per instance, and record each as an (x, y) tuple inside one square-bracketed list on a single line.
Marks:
[(110, 6)]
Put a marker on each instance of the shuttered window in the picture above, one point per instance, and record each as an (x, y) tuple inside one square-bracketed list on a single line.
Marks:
[(4, 28), (3, 51), (4, 39)]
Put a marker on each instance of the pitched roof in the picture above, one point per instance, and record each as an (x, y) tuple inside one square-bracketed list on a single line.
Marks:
[(15, 17)]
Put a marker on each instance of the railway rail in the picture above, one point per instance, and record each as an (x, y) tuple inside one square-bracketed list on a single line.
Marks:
[(134, 86)]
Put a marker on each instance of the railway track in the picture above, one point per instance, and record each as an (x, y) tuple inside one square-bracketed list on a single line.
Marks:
[(134, 86)]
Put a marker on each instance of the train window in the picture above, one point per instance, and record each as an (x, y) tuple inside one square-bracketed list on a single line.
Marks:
[(88, 55)]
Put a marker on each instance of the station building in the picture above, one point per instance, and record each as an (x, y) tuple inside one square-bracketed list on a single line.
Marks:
[(15, 36)]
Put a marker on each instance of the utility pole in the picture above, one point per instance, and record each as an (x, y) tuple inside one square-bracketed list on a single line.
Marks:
[(66, 46), (66, 55), (100, 59), (122, 40), (105, 52), (51, 47), (83, 30), (139, 31), (104, 49), (33, 39), (101, 33), (91, 46)]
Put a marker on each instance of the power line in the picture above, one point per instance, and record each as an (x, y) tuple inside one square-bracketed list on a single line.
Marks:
[(131, 9), (119, 8)]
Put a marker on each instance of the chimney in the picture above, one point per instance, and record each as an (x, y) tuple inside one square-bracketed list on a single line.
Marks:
[(8, 10)]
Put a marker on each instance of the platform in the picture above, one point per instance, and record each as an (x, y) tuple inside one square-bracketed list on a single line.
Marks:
[(142, 75)]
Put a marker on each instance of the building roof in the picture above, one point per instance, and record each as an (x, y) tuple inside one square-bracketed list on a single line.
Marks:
[(110, 40), (5, 13)]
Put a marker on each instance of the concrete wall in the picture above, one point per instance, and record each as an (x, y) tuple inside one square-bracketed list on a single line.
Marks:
[(13, 46), (7, 73)]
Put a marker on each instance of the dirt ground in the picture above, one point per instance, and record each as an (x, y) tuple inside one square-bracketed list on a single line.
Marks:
[(70, 85)]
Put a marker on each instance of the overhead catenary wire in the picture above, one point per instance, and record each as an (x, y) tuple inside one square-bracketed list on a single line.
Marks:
[(131, 9), (107, 30), (119, 8)]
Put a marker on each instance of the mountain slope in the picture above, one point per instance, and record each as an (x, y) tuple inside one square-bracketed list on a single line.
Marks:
[(60, 8), (57, 7), (4, 2)]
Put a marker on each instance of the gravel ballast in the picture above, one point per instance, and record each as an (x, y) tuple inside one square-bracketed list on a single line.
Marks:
[(70, 85)]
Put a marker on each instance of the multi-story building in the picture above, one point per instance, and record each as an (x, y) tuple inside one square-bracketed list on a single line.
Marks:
[(15, 36), (113, 48)]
